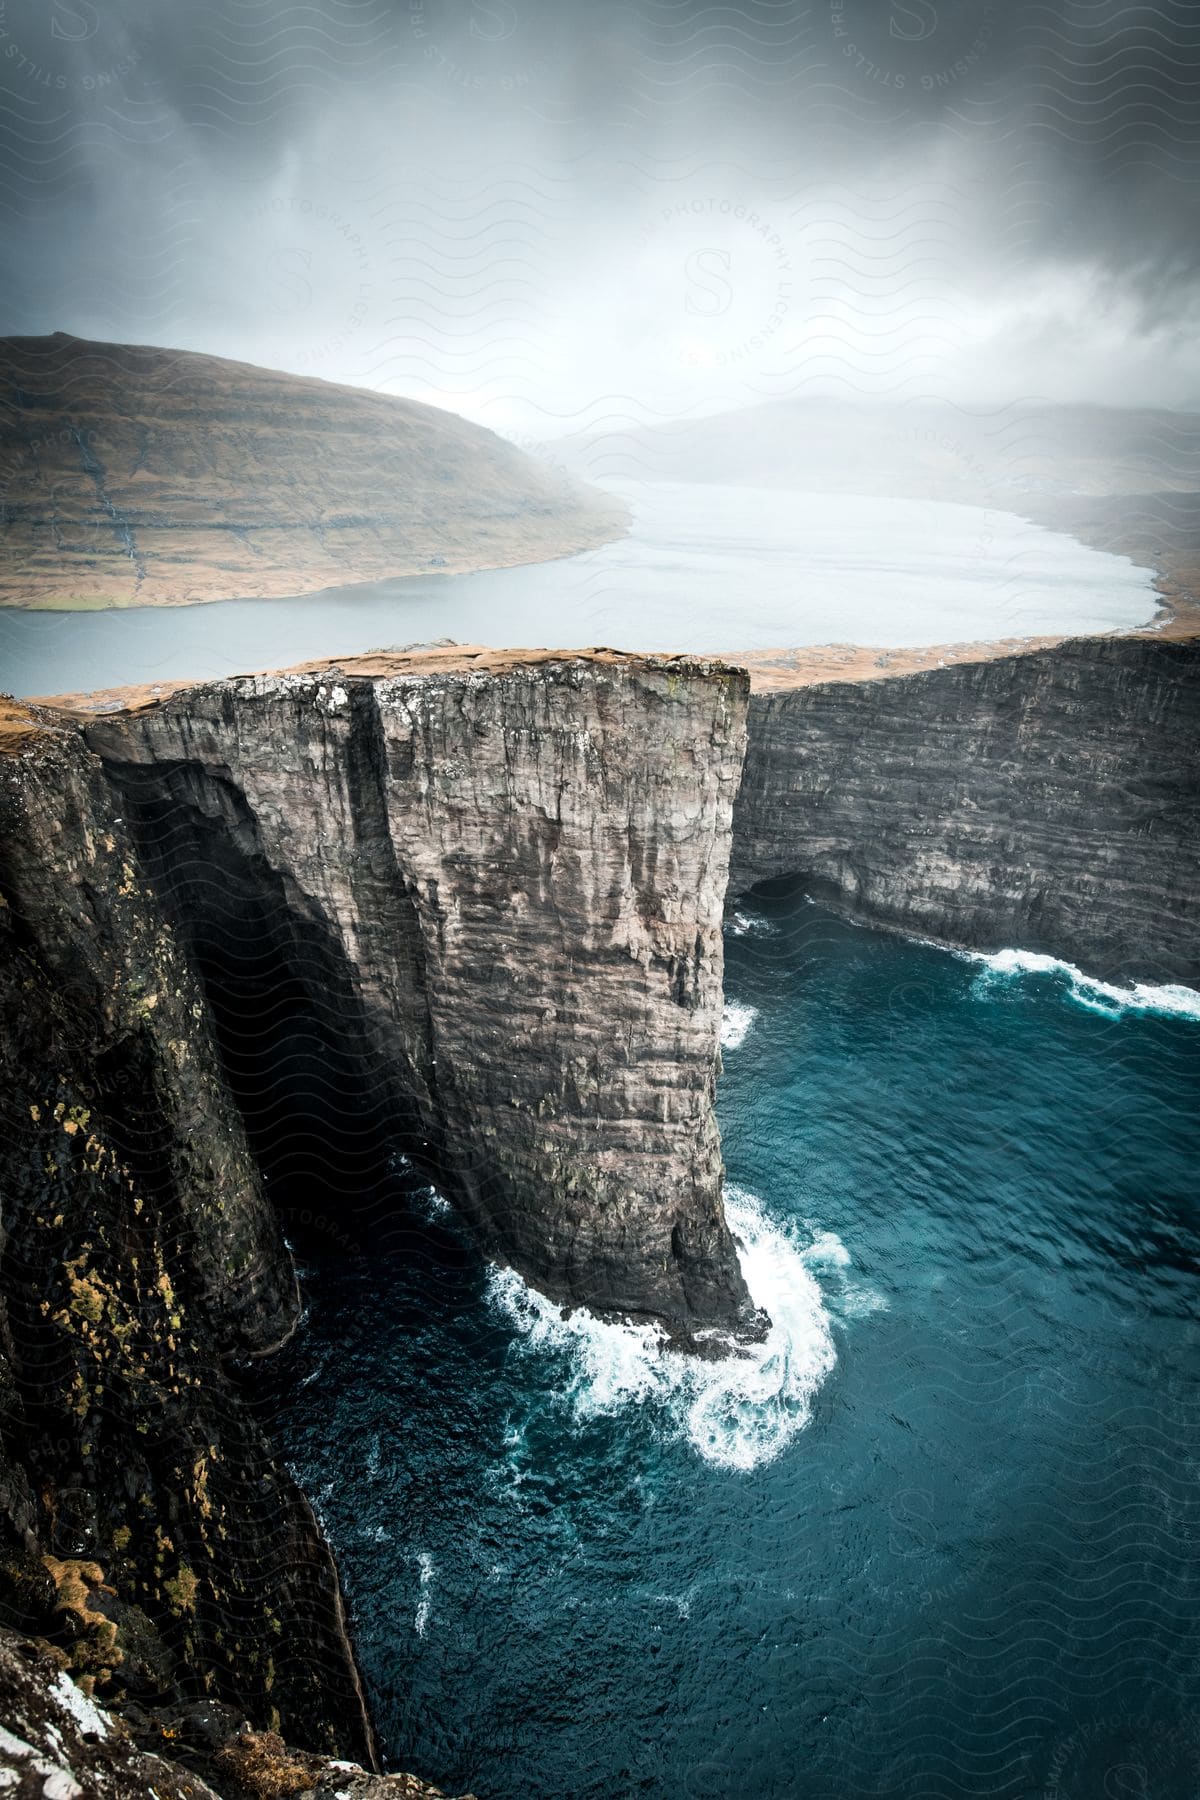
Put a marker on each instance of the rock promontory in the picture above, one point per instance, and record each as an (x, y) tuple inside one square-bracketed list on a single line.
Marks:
[(491, 888), (497, 883)]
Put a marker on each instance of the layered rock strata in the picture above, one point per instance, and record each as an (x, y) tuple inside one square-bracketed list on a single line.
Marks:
[(1048, 801), (501, 887)]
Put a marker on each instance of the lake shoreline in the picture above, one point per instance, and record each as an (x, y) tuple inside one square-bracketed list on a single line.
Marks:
[(896, 580)]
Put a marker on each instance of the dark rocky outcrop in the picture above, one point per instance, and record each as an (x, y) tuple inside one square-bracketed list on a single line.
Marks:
[(56, 1743), (1048, 801), (145, 1527)]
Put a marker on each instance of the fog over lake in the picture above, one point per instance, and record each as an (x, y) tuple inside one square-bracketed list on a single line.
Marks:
[(703, 569)]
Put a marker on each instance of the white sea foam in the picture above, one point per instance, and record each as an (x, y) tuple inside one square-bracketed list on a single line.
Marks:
[(827, 1248), (681, 1602), (425, 1201), (847, 1296), (427, 1570), (739, 1411), (1169, 1000), (740, 923), (735, 1024), (430, 1205)]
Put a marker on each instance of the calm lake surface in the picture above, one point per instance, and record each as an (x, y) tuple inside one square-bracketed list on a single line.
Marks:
[(939, 1538), (705, 569)]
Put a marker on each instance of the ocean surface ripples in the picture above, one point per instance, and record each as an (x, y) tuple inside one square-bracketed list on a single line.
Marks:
[(937, 1538)]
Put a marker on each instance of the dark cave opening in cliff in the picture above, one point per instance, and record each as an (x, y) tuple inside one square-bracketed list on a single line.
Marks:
[(336, 1141)]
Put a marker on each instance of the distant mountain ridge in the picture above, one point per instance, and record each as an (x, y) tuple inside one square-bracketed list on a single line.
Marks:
[(135, 476), (926, 449)]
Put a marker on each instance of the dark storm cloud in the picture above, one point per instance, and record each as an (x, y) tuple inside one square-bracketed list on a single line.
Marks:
[(527, 206)]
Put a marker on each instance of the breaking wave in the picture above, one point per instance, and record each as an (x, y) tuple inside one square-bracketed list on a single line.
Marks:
[(737, 1412), (1169, 1001), (740, 924), (736, 1021)]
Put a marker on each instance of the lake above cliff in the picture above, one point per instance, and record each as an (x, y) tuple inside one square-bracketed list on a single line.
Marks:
[(706, 569), (937, 1538)]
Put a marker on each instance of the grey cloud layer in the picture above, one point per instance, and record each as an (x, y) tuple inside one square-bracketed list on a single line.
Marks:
[(539, 209)]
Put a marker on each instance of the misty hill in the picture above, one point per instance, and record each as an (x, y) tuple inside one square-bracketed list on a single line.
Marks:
[(927, 449), (132, 476)]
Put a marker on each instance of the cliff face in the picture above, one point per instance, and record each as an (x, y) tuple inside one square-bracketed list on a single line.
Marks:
[(132, 476), (78, 904), (491, 893), (489, 890), (144, 1527), (495, 892), (1048, 801)]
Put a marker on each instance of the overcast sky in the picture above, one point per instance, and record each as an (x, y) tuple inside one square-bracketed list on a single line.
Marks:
[(548, 214)]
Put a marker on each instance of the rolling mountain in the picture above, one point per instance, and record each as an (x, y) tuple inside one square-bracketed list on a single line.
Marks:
[(132, 476)]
